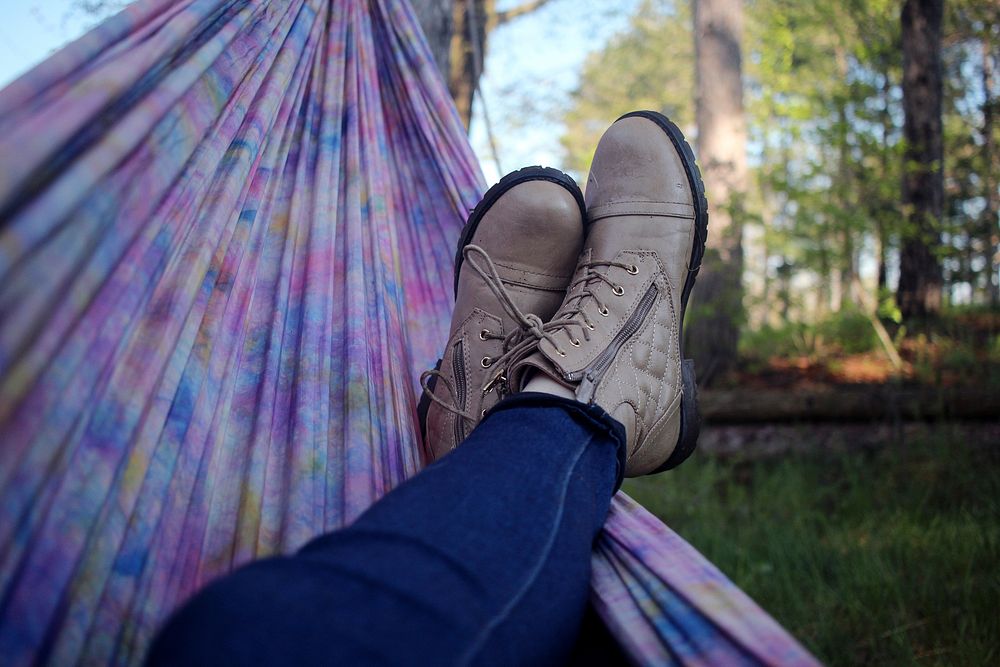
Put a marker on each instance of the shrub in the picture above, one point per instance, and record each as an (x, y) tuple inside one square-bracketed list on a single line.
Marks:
[(848, 330)]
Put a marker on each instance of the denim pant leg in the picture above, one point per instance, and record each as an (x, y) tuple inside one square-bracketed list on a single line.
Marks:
[(482, 558)]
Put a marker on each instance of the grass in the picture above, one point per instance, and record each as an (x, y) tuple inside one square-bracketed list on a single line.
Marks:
[(887, 557)]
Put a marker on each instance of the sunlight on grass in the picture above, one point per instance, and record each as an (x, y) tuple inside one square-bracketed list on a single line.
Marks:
[(887, 557)]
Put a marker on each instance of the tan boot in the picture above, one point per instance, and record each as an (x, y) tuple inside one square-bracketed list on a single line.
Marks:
[(515, 258), (616, 339)]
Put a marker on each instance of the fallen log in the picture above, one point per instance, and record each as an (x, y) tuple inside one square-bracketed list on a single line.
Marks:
[(848, 403), (763, 441)]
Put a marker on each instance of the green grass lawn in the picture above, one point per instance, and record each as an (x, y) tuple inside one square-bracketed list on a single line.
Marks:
[(881, 557)]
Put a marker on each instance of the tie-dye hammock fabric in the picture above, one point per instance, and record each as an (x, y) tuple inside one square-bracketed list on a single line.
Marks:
[(226, 231)]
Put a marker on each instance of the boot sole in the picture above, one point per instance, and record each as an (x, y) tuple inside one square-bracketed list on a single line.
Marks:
[(687, 441), (422, 407), (534, 173)]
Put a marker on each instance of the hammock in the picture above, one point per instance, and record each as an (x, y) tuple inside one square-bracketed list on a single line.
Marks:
[(226, 230)]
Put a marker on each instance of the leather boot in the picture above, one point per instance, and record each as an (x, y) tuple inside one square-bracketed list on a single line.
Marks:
[(515, 258), (616, 339)]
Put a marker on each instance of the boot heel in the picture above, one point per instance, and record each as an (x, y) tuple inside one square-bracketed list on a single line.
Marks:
[(424, 405), (690, 419)]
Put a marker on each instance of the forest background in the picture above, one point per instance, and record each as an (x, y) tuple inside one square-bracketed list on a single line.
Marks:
[(846, 324), (847, 321)]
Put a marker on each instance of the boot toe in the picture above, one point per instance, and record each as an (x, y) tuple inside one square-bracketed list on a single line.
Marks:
[(541, 230), (636, 162)]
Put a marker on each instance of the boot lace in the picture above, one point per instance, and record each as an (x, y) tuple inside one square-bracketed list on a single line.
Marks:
[(529, 331), (573, 312), (524, 339)]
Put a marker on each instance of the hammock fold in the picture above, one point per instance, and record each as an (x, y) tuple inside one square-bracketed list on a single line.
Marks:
[(226, 241)]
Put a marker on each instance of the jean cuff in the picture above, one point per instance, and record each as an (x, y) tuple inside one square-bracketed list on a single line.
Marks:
[(590, 416)]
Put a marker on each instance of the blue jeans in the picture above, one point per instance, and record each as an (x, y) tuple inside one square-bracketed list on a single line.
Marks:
[(482, 558)]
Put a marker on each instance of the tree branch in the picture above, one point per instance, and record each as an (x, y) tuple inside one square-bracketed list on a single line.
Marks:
[(520, 10)]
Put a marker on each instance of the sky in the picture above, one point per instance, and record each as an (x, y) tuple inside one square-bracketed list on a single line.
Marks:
[(31, 30), (532, 64)]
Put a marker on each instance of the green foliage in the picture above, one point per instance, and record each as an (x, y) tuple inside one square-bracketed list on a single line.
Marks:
[(960, 347), (969, 229), (885, 557), (960, 358), (849, 330), (888, 309), (792, 339), (824, 110), (650, 66)]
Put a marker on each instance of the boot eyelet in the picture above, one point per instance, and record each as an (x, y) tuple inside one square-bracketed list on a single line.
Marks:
[(590, 325), (575, 342), (632, 269), (604, 311), (486, 362), (618, 290), (482, 414), (483, 334), (560, 353)]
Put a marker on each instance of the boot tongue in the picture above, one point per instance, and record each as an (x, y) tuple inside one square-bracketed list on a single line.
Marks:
[(536, 362)]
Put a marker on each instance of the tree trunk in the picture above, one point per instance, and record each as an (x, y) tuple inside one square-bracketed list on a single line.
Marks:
[(992, 212), (920, 281), (436, 19), (458, 41), (755, 442), (824, 285), (457, 31), (847, 276), (846, 195), (468, 45), (886, 210), (713, 330), (846, 403), (468, 52)]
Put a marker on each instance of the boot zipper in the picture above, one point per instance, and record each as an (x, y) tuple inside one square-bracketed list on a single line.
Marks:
[(458, 364), (590, 376)]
